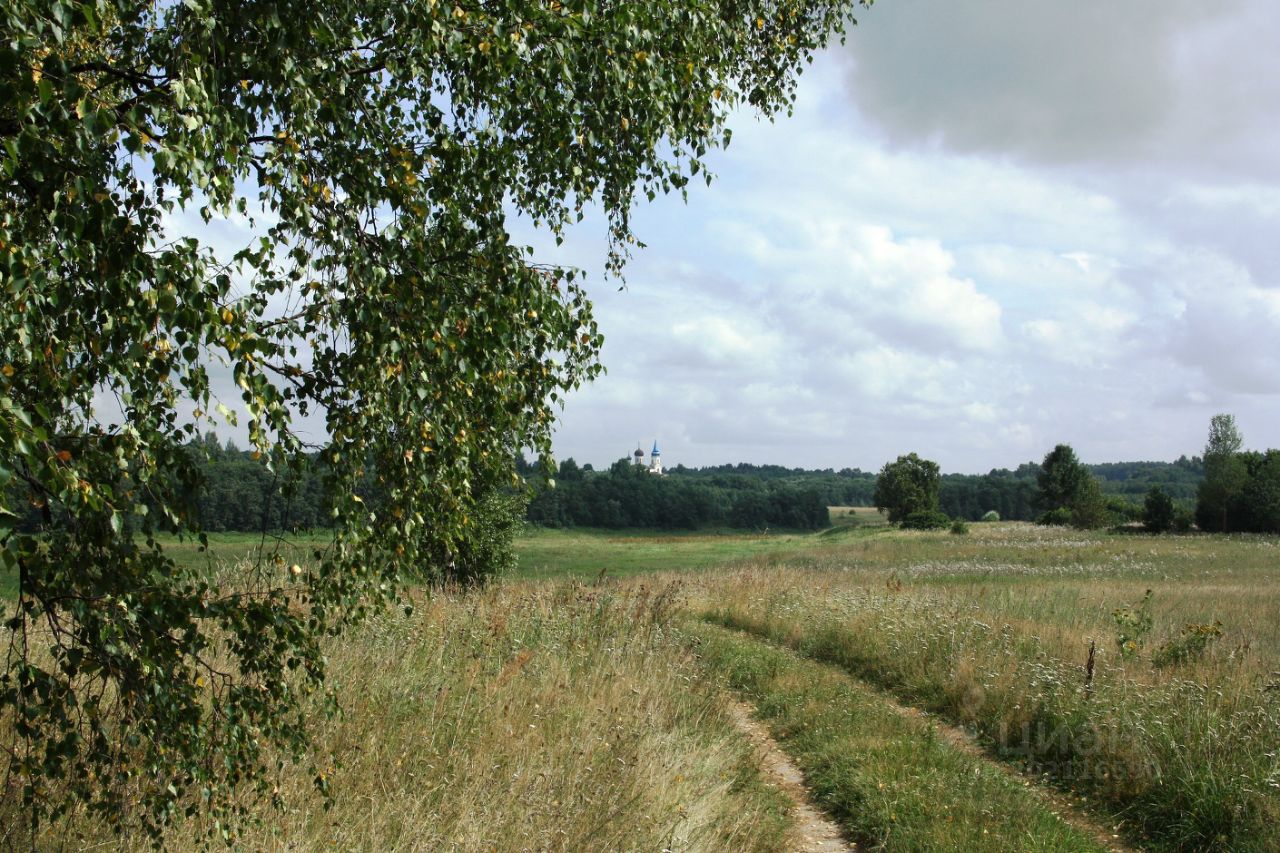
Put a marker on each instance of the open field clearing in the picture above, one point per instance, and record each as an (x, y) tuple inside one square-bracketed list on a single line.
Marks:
[(556, 553), (552, 553), (553, 714)]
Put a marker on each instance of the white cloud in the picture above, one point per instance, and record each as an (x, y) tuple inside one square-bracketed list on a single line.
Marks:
[(718, 342), (1229, 328), (838, 300)]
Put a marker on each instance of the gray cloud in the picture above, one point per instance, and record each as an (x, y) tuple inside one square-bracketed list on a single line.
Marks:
[(1135, 83)]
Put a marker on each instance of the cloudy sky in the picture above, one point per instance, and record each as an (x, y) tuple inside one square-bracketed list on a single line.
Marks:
[(988, 228)]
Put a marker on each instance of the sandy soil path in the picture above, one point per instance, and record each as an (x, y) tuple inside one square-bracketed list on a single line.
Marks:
[(815, 833)]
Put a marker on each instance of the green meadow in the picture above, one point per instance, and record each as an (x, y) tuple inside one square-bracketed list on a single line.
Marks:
[(932, 686)]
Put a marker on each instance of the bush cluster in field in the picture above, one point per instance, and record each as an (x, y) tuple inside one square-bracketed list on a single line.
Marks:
[(1186, 754)]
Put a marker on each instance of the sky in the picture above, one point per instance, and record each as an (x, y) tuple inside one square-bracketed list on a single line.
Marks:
[(988, 228)]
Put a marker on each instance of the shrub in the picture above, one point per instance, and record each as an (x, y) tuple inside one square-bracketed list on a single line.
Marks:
[(991, 515), (959, 527), (1187, 646), (486, 552), (1133, 623), (1060, 517), (927, 520), (1122, 511), (1183, 519)]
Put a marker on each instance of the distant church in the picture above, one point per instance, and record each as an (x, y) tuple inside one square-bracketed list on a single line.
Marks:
[(655, 459)]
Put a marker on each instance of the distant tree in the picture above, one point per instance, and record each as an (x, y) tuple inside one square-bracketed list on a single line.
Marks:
[(906, 486), (1065, 484), (1158, 511), (1224, 438), (1061, 478), (1089, 508), (1121, 509), (1224, 475)]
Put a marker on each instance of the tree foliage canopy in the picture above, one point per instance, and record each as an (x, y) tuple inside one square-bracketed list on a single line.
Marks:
[(377, 150), (1062, 476), (907, 486), (1158, 511)]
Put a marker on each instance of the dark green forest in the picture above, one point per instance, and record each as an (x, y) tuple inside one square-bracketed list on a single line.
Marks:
[(629, 496), (242, 493), (747, 496)]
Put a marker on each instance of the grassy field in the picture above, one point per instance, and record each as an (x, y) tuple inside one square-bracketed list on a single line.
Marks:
[(561, 710), (1175, 742), (587, 553), (527, 716), (889, 778), (546, 554)]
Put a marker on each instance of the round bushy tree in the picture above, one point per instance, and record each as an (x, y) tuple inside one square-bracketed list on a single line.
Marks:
[(1068, 491), (907, 486)]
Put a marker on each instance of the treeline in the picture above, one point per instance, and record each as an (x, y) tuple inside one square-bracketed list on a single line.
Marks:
[(1234, 490), (240, 493), (846, 487), (1012, 494), (627, 496), (237, 491), (738, 492)]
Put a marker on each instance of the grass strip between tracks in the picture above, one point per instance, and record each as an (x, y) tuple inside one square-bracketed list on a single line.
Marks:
[(889, 780)]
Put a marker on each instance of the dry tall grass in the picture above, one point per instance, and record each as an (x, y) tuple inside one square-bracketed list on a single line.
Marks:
[(525, 717)]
